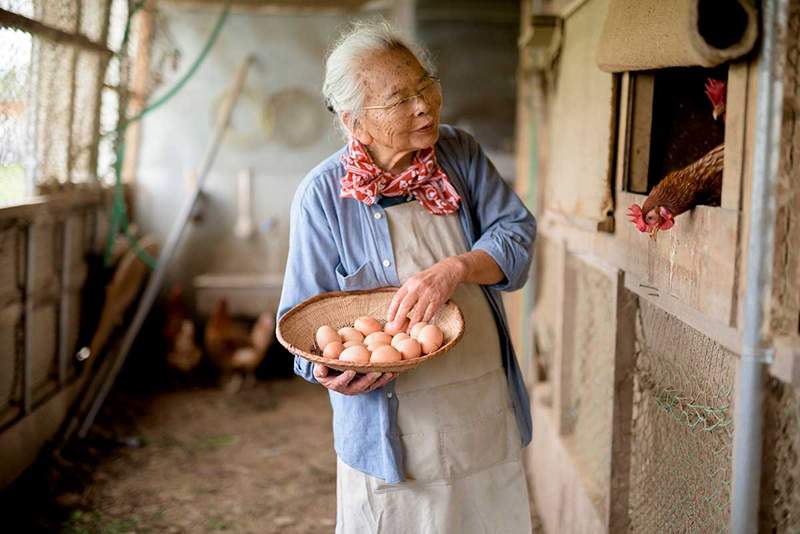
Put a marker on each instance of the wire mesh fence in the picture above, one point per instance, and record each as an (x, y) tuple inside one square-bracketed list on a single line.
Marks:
[(61, 99), (682, 433), (591, 390), (16, 140)]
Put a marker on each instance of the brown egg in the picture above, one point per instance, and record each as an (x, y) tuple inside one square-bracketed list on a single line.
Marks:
[(356, 353), (367, 325), (333, 349), (351, 334), (378, 338), (409, 348), (415, 330), (430, 338), (349, 344), (395, 327), (385, 353), (326, 335), (398, 338)]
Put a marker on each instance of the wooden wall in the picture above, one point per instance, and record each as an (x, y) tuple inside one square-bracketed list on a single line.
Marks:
[(592, 275)]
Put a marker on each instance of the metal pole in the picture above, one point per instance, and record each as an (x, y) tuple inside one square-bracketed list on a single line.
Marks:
[(760, 248), (30, 308), (154, 284), (65, 302)]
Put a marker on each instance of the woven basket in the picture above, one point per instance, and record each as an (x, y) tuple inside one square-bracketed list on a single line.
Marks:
[(297, 327)]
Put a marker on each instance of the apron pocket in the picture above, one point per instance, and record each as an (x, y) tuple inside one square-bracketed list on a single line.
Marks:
[(472, 448)]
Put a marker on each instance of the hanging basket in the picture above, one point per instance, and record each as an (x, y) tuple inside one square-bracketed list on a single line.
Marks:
[(296, 329)]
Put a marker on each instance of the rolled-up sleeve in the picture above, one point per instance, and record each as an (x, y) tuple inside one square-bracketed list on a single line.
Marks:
[(507, 229), (311, 262)]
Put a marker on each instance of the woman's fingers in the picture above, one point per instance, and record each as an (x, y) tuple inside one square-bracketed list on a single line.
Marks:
[(407, 304), (430, 311), (382, 381), (362, 383), (351, 383), (320, 371), (420, 306), (395, 304)]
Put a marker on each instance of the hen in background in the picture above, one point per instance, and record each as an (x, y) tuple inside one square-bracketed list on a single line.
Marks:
[(235, 349), (183, 354), (679, 191)]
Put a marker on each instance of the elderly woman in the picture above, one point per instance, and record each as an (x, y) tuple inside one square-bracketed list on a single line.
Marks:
[(417, 205)]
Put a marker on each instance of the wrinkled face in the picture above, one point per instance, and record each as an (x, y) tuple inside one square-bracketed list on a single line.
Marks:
[(391, 77)]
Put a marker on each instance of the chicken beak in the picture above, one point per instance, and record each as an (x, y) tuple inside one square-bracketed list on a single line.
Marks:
[(654, 233)]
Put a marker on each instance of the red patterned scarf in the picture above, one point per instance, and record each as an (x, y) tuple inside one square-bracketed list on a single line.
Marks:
[(424, 179)]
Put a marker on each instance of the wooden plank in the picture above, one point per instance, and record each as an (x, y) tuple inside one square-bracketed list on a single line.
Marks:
[(140, 77), (564, 326), (722, 333), (617, 514), (624, 112), (641, 124), (53, 203), (735, 121), (9, 19), (695, 261), (785, 365)]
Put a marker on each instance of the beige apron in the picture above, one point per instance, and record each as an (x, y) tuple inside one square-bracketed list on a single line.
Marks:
[(460, 438)]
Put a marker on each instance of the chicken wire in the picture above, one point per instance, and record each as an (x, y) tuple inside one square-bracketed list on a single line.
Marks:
[(16, 139), (60, 104), (591, 389), (682, 429)]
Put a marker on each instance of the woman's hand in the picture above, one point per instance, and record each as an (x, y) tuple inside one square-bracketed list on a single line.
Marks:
[(423, 294), (350, 382)]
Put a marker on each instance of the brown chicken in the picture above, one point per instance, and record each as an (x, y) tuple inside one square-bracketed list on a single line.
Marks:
[(235, 349), (183, 353), (699, 182)]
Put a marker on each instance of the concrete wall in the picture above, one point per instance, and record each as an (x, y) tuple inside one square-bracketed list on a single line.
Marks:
[(289, 52)]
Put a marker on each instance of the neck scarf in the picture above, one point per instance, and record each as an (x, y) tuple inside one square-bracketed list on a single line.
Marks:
[(424, 179)]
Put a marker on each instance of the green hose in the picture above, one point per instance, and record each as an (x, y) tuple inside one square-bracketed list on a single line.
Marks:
[(119, 215)]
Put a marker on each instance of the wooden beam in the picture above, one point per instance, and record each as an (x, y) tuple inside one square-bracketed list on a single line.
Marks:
[(617, 513), (138, 90), (641, 125), (786, 362), (9, 19), (564, 346)]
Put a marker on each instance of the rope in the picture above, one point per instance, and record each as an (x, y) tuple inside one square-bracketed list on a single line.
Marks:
[(119, 215)]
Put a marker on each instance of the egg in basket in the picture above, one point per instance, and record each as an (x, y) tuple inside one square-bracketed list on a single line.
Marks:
[(369, 347)]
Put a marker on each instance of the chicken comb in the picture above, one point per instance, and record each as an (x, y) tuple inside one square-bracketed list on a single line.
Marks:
[(715, 90), (636, 217)]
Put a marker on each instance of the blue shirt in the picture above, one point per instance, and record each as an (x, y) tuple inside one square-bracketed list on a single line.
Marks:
[(338, 244)]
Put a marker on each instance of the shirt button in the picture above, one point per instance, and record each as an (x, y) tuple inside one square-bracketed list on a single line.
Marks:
[(389, 395), (377, 215), (386, 263)]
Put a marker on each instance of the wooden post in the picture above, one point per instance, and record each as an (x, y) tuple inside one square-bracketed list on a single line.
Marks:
[(140, 77), (564, 348), (617, 516)]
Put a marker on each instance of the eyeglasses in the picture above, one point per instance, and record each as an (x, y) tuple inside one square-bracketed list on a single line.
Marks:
[(428, 92)]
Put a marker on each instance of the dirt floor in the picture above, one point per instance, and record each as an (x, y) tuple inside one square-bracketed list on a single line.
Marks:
[(189, 458), (197, 460)]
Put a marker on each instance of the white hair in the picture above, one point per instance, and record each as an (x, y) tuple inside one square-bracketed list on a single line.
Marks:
[(342, 89)]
